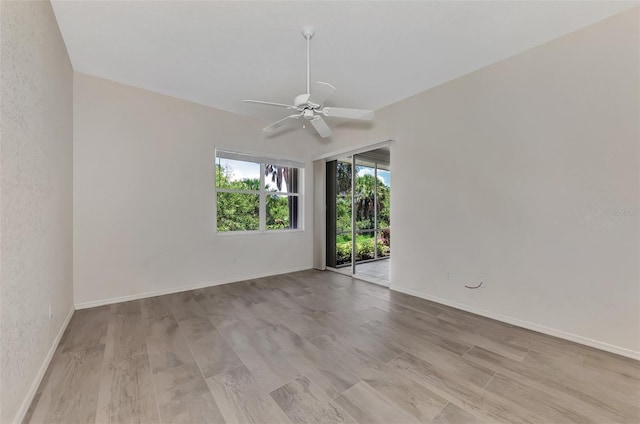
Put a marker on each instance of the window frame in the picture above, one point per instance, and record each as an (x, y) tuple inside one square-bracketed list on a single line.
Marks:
[(262, 193)]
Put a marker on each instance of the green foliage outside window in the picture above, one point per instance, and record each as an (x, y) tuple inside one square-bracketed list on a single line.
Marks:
[(278, 212), (237, 211), (365, 205), (364, 248), (241, 211)]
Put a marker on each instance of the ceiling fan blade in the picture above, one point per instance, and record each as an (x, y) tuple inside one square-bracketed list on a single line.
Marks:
[(321, 126), (289, 120), (340, 112), (321, 92), (260, 102)]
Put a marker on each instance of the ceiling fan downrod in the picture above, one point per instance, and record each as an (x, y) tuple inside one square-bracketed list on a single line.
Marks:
[(308, 32)]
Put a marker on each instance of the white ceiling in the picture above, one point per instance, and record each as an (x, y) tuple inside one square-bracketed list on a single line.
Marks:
[(376, 53)]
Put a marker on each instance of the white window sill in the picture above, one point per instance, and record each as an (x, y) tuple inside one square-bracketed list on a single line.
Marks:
[(256, 232)]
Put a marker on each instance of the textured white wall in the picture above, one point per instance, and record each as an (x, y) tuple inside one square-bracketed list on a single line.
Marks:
[(35, 196), (525, 175), (144, 198)]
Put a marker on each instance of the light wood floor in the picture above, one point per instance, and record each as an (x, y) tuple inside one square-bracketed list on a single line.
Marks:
[(320, 347)]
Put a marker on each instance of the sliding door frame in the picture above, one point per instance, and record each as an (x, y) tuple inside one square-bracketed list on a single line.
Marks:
[(331, 238)]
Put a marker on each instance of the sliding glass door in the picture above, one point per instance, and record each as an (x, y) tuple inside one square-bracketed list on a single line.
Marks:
[(358, 214), (372, 209)]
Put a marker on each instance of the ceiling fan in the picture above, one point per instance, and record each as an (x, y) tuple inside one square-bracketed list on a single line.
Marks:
[(310, 106)]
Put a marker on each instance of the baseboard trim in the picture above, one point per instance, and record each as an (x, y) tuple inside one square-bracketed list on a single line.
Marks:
[(137, 296), (26, 403), (525, 324)]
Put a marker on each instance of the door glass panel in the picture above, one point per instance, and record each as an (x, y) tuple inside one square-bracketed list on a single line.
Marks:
[(372, 207), (343, 212), (365, 246), (343, 249), (360, 208), (365, 199), (384, 243)]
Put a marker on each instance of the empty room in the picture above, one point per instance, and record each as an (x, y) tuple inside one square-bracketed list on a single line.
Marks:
[(292, 212)]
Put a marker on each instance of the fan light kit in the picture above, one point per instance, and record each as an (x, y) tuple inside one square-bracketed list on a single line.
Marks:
[(310, 105)]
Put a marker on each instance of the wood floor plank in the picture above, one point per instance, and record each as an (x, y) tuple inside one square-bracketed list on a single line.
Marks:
[(323, 303), (514, 335), (276, 313), (412, 339), (154, 308), (356, 360), (71, 394), (544, 404), (496, 342), (288, 300), (212, 353), (126, 332), (184, 306), (166, 346), (465, 388), (219, 306), (599, 360), (453, 414), (242, 303), (374, 290), (622, 387), (451, 374), (355, 317), (380, 349), (451, 377), (614, 364), (323, 371), (309, 280), (247, 292), (412, 397), (259, 356), (127, 393), (590, 397), (87, 328), (259, 315), (125, 308), (242, 399), (303, 402), (289, 286), (261, 283), (366, 405), (184, 397)]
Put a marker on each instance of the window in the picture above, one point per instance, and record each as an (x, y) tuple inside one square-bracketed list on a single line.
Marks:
[(257, 194)]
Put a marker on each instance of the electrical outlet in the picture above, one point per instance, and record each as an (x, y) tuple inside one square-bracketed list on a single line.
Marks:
[(448, 276), (50, 312)]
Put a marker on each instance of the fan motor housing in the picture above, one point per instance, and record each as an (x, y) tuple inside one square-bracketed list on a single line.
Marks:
[(308, 114)]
